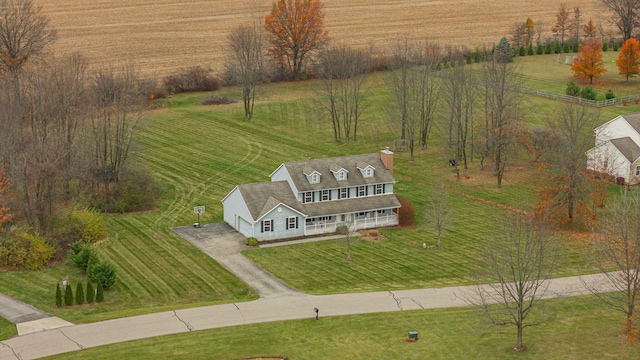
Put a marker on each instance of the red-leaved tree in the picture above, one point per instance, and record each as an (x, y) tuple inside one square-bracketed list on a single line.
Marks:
[(295, 29), (589, 64), (5, 186), (628, 61)]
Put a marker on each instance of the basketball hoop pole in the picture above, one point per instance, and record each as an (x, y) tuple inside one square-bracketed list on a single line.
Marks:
[(199, 216)]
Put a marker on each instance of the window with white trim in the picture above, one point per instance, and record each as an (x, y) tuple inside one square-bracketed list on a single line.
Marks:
[(325, 195), (368, 172), (362, 191), (638, 171), (342, 175), (379, 189), (267, 225), (343, 193), (315, 178), (292, 222), (308, 197), (380, 211)]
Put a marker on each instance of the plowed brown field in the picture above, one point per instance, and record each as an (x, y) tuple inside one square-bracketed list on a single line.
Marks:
[(162, 35)]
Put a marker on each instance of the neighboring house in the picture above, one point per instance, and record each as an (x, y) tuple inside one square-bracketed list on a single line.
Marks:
[(617, 150), (316, 196)]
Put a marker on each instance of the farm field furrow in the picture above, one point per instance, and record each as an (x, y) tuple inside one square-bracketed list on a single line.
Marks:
[(161, 36)]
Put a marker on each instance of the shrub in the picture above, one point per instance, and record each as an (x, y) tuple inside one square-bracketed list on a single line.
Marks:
[(89, 292), (99, 293), (83, 255), (137, 190), (68, 295), (609, 94), (566, 48), (575, 48), (20, 248), (572, 89), (342, 229), (557, 49), (539, 49), (103, 273), (195, 78), (548, 49), (79, 294), (252, 241), (216, 100), (588, 92), (406, 213), (615, 46), (605, 46), (58, 295), (374, 233), (522, 51)]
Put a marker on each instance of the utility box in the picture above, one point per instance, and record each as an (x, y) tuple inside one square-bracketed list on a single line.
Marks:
[(413, 335)]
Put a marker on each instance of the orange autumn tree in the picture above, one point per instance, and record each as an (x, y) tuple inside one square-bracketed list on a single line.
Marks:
[(589, 64), (295, 29), (628, 61)]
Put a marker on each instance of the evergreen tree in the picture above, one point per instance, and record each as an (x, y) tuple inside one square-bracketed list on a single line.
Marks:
[(89, 292), (503, 52), (548, 49), (558, 48), (58, 295), (68, 296), (530, 50), (79, 294), (100, 293)]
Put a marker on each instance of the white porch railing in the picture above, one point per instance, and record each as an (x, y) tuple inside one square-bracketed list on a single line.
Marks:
[(364, 223)]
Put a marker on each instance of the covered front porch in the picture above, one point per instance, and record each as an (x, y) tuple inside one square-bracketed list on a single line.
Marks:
[(331, 223)]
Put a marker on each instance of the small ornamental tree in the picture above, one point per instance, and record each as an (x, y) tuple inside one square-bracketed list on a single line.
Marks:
[(589, 64), (89, 292), (100, 293), (68, 296), (628, 61), (58, 295), (79, 293)]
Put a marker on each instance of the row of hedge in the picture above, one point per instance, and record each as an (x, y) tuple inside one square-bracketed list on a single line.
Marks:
[(80, 294)]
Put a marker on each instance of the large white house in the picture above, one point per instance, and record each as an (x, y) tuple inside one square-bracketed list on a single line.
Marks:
[(316, 196), (617, 150)]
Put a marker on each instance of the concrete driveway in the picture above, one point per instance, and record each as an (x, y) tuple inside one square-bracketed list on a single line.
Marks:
[(224, 244)]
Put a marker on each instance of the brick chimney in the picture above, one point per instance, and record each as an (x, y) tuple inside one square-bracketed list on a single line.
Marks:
[(386, 156)]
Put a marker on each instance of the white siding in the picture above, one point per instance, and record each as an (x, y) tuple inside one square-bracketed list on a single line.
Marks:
[(236, 213), (606, 158), (614, 129)]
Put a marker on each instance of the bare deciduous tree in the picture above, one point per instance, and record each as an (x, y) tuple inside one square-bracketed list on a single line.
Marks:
[(117, 111), (567, 190), (343, 73), (415, 89), (617, 240), (626, 15), (460, 95), (24, 33), (563, 23), (519, 260), (438, 211), (502, 112), (245, 61)]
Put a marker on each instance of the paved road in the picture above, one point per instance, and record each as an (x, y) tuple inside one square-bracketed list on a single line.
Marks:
[(278, 302), (76, 337)]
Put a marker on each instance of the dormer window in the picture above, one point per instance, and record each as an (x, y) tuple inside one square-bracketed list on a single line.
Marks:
[(313, 176), (365, 169), (339, 172)]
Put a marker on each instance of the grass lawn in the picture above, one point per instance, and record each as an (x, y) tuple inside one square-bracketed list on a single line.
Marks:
[(544, 72), (582, 330), (199, 153)]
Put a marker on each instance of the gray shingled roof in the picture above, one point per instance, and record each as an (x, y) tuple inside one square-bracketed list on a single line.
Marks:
[(349, 163), (351, 205), (627, 147), (263, 197), (633, 120)]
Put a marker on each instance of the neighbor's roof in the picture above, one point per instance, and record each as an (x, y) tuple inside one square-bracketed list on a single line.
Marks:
[(627, 147), (261, 198), (351, 205), (633, 120), (351, 163)]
